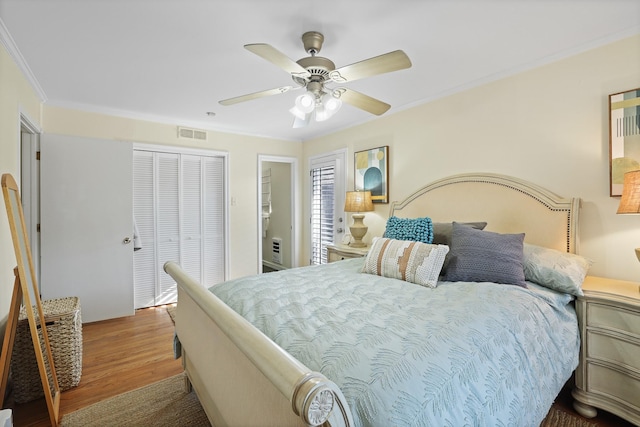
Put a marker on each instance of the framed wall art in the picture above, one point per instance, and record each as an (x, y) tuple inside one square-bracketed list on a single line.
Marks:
[(371, 168), (624, 137)]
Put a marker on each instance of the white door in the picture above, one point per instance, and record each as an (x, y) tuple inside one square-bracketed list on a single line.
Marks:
[(327, 178), (87, 224)]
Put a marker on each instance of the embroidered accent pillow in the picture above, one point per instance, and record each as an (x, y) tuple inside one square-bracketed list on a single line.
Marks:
[(560, 271), (415, 229), (485, 256), (414, 262)]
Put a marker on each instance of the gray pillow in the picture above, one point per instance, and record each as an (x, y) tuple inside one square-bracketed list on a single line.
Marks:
[(442, 231), (485, 256)]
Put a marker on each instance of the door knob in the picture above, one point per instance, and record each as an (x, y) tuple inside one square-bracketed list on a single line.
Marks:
[(126, 240)]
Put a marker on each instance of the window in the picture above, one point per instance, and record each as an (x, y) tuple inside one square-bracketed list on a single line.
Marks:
[(327, 199)]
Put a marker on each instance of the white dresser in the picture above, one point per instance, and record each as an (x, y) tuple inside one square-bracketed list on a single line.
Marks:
[(608, 376)]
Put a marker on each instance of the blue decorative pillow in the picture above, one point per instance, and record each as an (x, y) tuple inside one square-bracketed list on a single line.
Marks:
[(415, 229)]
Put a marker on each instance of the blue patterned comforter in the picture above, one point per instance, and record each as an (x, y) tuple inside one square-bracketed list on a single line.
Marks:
[(462, 354)]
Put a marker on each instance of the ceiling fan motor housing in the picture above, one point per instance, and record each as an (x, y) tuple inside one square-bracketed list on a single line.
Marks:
[(312, 41)]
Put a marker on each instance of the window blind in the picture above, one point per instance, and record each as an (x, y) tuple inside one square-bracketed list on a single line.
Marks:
[(322, 212)]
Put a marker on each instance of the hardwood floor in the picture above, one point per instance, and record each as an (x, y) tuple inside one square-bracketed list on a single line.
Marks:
[(130, 352), (118, 355)]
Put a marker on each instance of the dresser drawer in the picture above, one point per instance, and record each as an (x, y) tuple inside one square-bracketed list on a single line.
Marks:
[(340, 252), (613, 383), (335, 256), (613, 318), (611, 349)]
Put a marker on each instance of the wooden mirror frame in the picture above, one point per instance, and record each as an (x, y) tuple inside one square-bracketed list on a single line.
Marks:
[(25, 277)]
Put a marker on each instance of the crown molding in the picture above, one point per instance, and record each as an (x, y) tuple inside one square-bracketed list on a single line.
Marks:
[(11, 47)]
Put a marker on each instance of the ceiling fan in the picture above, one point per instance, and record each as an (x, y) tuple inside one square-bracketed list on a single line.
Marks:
[(314, 73)]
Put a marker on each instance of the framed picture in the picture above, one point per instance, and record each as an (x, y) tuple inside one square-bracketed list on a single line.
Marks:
[(624, 137), (371, 170)]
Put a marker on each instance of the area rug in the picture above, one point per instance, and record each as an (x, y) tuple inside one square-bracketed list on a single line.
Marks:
[(166, 404), (171, 309), (161, 404), (559, 418)]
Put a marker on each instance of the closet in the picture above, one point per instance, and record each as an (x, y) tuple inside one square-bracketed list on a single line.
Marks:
[(180, 215), (88, 207)]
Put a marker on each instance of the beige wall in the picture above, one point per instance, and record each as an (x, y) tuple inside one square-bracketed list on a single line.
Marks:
[(548, 126), (16, 98), (243, 160)]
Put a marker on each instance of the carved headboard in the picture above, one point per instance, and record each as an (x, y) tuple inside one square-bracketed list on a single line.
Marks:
[(507, 204)]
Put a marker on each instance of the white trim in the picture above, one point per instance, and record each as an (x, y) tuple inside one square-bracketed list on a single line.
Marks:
[(26, 121), (11, 47), (29, 174), (295, 229), (174, 149)]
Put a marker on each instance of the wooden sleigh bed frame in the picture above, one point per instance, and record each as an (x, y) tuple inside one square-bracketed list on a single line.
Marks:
[(243, 378)]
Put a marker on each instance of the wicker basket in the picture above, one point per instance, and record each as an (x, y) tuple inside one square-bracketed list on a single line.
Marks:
[(64, 328)]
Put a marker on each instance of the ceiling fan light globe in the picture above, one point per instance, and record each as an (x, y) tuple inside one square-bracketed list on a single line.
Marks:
[(321, 113), (332, 104), (305, 103)]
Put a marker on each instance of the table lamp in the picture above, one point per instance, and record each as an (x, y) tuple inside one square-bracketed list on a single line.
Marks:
[(630, 201), (358, 201)]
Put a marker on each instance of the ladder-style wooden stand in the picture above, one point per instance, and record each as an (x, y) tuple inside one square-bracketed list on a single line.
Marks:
[(25, 279)]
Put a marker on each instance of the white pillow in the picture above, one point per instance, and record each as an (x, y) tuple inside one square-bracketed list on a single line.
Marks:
[(414, 262), (560, 271)]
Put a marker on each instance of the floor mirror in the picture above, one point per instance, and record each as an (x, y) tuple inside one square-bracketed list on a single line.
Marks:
[(25, 279)]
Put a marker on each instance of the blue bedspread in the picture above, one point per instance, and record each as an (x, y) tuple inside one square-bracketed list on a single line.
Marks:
[(462, 354)]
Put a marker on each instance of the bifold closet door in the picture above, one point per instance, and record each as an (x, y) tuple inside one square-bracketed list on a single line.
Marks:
[(179, 212), (86, 224)]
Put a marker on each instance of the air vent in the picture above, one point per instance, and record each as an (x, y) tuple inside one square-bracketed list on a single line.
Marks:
[(276, 245), (189, 133)]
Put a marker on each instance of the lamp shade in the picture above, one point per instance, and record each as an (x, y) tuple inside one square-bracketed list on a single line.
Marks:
[(630, 201), (358, 201)]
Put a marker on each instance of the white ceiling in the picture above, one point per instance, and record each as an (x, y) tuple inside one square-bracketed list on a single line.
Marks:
[(173, 60)]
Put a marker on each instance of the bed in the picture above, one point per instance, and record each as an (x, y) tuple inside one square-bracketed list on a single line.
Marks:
[(331, 345)]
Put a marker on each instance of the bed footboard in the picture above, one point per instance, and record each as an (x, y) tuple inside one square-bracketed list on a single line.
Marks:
[(242, 377)]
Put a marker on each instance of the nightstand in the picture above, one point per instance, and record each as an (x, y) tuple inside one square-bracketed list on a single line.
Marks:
[(340, 252), (608, 376)]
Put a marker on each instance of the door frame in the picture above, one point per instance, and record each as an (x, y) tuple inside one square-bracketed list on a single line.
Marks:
[(175, 149), (29, 173), (295, 227), (339, 158)]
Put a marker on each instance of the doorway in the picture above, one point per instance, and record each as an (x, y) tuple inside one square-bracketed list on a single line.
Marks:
[(30, 186), (278, 225)]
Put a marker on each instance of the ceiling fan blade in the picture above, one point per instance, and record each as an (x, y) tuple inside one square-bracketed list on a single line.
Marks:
[(392, 61), (362, 101), (256, 95), (278, 58)]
